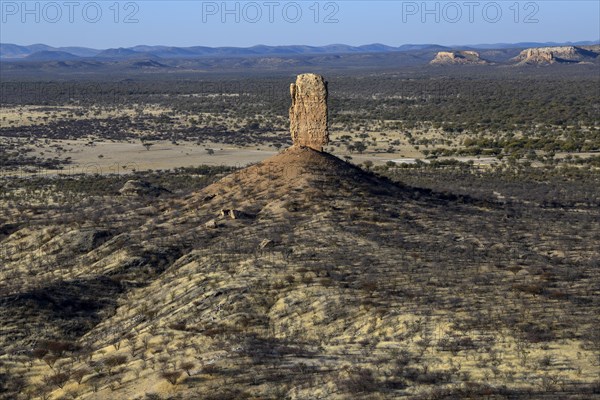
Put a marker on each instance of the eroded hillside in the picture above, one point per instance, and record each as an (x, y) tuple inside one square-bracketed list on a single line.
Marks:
[(301, 277)]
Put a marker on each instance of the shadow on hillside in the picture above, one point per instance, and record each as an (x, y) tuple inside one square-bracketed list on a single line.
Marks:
[(65, 309), (377, 185)]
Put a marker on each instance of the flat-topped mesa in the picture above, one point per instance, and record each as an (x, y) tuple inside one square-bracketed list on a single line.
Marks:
[(308, 113), (557, 54), (457, 57)]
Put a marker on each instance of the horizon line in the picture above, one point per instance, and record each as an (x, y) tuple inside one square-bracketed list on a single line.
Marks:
[(593, 42)]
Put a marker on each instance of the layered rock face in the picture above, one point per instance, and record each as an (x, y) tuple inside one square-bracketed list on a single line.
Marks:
[(543, 55), (458, 57), (308, 113), (551, 55)]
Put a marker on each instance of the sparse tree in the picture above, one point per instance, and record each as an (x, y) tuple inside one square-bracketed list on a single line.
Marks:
[(171, 376), (187, 367), (50, 360), (113, 362), (59, 379), (360, 147), (79, 374)]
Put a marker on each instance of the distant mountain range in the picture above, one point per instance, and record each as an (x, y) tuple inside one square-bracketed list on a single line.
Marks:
[(15, 52), (522, 45), (41, 60), (42, 52)]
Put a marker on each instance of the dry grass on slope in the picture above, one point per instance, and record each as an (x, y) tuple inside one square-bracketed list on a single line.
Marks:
[(330, 283)]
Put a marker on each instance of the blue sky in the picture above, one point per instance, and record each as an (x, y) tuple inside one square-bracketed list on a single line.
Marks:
[(105, 24)]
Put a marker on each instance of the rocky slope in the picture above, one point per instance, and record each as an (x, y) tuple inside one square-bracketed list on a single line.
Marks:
[(324, 282)]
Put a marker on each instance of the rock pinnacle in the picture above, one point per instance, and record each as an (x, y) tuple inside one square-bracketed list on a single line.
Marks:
[(308, 113)]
